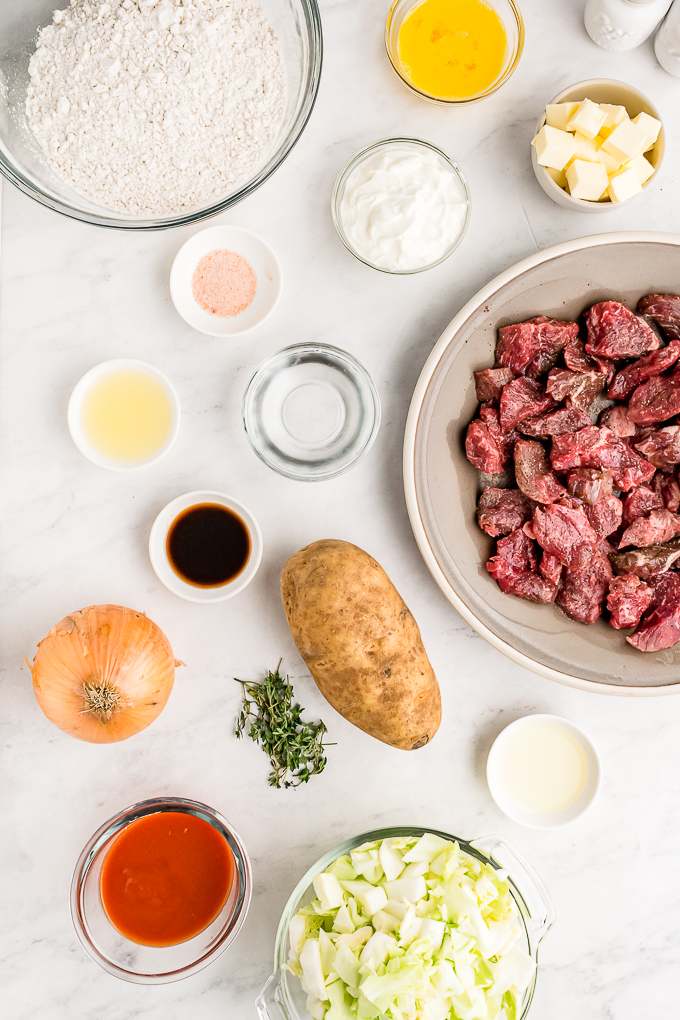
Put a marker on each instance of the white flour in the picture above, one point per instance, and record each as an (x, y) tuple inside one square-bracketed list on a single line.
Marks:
[(154, 106)]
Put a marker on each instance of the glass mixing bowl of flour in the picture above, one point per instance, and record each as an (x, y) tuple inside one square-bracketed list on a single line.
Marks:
[(96, 90)]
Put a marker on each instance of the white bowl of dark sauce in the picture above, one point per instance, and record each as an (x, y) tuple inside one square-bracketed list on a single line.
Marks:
[(205, 546)]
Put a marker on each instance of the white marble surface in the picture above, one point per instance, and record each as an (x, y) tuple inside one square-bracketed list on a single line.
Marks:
[(73, 534)]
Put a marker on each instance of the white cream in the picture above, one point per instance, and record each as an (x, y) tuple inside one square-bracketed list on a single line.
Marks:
[(543, 768), (402, 208)]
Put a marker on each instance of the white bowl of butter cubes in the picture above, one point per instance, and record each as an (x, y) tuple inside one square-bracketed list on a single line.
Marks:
[(598, 144)]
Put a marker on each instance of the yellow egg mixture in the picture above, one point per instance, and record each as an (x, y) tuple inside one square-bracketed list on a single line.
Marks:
[(452, 49)]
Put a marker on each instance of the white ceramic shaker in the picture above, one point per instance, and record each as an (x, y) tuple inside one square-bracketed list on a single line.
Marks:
[(667, 42), (623, 24)]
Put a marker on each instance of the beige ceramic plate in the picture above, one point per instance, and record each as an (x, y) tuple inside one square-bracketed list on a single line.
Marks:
[(442, 487)]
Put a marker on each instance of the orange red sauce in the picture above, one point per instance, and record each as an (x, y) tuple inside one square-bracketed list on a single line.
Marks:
[(165, 878)]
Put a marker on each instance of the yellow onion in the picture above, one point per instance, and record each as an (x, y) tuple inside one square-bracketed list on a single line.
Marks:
[(103, 673)]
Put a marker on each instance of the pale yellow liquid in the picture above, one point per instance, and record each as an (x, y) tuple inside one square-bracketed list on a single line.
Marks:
[(543, 768), (126, 416)]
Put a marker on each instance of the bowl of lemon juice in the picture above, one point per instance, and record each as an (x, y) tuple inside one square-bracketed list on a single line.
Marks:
[(124, 414)]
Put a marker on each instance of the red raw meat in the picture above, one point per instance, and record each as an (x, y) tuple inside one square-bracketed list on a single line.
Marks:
[(551, 568), (589, 484), (658, 527), (557, 423), (616, 332), (482, 450), (523, 398), (580, 387), (585, 589), (604, 517), (566, 533), (646, 563), (514, 567), (625, 381), (601, 448), (662, 447), (668, 487), (616, 418), (656, 400), (577, 360), (533, 473), (505, 439), (660, 626), (489, 384), (501, 511), (628, 599), (640, 502), (664, 309), (531, 348)]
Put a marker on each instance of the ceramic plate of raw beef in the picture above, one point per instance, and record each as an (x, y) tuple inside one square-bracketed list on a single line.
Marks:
[(574, 491)]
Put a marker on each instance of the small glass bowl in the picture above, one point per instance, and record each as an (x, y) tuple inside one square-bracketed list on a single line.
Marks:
[(507, 11), (150, 965), (385, 143), (311, 412)]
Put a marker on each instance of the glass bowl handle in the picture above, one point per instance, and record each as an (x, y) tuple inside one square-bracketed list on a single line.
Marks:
[(268, 1002), (527, 880)]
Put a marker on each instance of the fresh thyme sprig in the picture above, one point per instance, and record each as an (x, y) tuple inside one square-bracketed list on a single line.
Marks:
[(295, 748)]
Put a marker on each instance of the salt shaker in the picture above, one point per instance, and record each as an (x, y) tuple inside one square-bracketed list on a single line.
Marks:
[(667, 42), (623, 24)]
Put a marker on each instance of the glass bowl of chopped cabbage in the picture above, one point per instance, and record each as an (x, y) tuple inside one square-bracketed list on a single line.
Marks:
[(409, 923)]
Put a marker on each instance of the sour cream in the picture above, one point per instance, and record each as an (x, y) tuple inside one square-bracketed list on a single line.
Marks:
[(402, 208)]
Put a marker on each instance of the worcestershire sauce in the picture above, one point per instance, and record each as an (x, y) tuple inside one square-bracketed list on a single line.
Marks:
[(208, 545)]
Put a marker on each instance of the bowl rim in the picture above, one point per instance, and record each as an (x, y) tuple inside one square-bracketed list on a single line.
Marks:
[(357, 158), (310, 90), (114, 825), (409, 466)]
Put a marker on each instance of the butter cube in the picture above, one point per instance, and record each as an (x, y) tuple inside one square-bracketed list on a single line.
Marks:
[(559, 176), (554, 148), (587, 181), (558, 114), (615, 114), (610, 163), (587, 119), (649, 124), (626, 141), (585, 148), (642, 167), (624, 185)]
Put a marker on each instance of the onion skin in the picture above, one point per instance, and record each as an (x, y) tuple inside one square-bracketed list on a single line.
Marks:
[(108, 645)]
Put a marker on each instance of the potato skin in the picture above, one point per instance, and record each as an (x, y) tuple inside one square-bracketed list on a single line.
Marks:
[(360, 643)]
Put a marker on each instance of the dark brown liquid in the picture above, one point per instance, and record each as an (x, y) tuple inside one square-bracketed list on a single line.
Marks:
[(208, 545)]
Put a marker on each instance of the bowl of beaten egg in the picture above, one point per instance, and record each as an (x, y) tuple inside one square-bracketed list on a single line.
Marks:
[(595, 159), (454, 53)]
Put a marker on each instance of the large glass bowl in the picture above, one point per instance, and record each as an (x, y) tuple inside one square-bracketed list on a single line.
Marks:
[(282, 995), (298, 26)]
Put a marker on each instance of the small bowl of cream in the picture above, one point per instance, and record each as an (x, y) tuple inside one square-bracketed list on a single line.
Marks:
[(401, 205), (543, 771)]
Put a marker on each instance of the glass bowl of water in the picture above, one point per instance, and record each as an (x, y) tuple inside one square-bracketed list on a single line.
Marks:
[(311, 412)]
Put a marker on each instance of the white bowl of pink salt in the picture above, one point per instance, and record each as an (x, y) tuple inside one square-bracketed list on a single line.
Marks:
[(225, 281)]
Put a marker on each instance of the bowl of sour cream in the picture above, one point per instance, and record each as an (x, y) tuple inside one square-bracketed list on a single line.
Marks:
[(401, 205)]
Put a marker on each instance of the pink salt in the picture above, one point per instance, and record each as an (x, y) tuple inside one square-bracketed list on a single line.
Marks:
[(224, 283)]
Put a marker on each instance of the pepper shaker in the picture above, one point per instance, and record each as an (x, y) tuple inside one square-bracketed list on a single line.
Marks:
[(623, 24), (667, 42)]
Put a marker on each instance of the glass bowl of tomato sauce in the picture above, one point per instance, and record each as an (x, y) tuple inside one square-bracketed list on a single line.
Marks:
[(161, 890)]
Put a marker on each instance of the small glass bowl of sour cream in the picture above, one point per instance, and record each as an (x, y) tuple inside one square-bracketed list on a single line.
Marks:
[(401, 206)]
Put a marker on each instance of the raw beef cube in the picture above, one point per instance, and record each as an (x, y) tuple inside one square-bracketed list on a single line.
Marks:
[(506, 439), (531, 348), (628, 599), (534, 475), (616, 418), (523, 398), (664, 309), (604, 517), (646, 563), (580, 387), (566, 533), (589, 484), (557, 423), (616, 332), (601, 448), (660, 626), (640, 502), (585, 589), (501, 511), (514, 567), (662, 447), (551, 568), (489, 384), (658, 527), (482, 450), (668, 487), (625, 381), (656, 400), (577, 360)]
